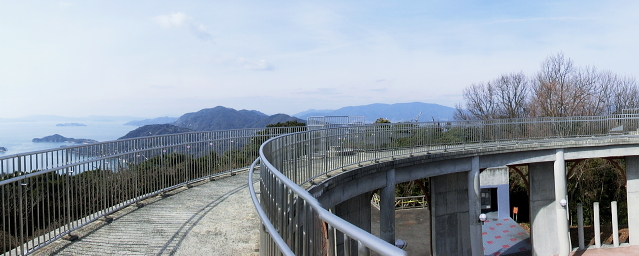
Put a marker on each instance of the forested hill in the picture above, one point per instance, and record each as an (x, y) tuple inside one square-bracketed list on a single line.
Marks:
[(222, 118), (155, 129)]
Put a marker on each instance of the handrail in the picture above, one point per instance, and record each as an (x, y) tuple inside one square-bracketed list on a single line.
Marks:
[(47, 194), (265, 221), (291, 162), (346, 227)]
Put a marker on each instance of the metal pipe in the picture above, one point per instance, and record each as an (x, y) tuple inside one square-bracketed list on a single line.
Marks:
[(615, 224), (597, 225), (580, 226)]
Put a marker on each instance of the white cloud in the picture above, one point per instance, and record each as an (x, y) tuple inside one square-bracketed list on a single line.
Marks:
[(254, 65), (177, 19), (200, 32), (181, 20)]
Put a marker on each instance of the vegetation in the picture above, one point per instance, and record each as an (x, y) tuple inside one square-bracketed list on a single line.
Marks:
[(561, 89), (221, 118), (382, 120), (293, 123), (50, 200), (155, 129)]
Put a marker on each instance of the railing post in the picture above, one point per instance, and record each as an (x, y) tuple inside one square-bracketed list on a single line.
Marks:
[(580, 225), (597, 226), (615, 224)]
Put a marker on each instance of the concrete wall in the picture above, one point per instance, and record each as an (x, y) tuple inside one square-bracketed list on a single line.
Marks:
[(632, 188), (451, 183), (498, 178), (450, 214), (357, 211), (543, 216)]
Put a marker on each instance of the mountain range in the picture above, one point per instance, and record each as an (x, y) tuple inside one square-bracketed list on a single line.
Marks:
[(222, 118), (208, 119), (399, 112)]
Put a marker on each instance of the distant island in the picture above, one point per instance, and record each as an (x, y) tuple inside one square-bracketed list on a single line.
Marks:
[(71, 124), (60, 138), (3, 149)]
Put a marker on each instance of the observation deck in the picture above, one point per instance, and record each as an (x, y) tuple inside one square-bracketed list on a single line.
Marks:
[(314, 186)]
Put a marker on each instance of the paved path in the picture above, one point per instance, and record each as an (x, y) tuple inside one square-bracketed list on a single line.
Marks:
[(211, 218)]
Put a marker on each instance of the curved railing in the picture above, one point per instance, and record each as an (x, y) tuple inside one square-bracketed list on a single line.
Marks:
[(45, 195), (294, 221)]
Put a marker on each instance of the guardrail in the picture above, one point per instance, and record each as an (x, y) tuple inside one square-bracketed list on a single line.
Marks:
[(45, 195), (291, 162), (404, 202)]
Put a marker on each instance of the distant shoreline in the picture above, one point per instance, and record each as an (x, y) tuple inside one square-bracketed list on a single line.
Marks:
[(71, 124)]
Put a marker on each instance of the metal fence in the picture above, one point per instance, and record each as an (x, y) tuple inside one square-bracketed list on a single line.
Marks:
[(295, 223), (45, 195), (404, 202)]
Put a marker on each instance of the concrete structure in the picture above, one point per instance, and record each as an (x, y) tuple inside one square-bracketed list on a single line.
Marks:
[(211, 218), (455, 191), (632, 188), (495, 183)]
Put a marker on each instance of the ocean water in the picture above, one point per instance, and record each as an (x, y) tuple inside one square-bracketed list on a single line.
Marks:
[(16, 136)]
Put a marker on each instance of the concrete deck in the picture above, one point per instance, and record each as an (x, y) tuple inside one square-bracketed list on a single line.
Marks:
[(212, 218), (218, 218)]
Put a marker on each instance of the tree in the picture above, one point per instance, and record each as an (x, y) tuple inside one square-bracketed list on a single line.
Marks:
[(504, 97), (382, 120), (287, 124), (559, 89)]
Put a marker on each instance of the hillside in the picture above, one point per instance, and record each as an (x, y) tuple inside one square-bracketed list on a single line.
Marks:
[(399, 112), (222, 118), (155, 129), (60, 138), (159, 120)]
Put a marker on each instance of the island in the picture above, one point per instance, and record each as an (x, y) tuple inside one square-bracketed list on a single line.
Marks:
[(60, 138), (3, 149), (71, 124)]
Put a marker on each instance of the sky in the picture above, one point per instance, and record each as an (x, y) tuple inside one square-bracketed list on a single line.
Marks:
[(167, 58)]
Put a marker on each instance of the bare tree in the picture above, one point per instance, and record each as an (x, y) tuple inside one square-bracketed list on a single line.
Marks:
[(481, 102), (623, 93), (513, 93), (558, 89), (504, 97)]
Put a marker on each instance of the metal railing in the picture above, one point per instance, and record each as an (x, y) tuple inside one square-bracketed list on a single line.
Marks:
[(291, 162), (46, 195), (403, 202)]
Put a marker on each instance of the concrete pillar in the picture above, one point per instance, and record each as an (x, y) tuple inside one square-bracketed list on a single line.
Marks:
[(474, 207), (357, 211), (632, 190), (387, 209), (451, 232), (561, 192), (549, 220)]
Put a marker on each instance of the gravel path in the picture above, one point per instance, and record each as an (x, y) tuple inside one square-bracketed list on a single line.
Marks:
[(211, 218)]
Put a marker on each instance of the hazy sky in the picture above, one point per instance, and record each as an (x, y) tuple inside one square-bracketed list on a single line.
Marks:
[(158, 58)]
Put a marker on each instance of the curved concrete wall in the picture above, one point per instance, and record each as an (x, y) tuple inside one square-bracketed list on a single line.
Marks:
[(454, 190)]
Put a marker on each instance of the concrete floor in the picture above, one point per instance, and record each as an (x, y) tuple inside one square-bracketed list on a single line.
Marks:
[(412, 226)]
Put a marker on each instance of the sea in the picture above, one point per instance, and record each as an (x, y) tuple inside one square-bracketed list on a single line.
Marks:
[(17, 136)]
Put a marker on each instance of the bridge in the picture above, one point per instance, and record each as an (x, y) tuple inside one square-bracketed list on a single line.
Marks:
[(314, 194)]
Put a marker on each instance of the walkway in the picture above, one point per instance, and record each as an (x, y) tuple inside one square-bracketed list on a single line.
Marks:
[(216, 218), (211, 218)]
